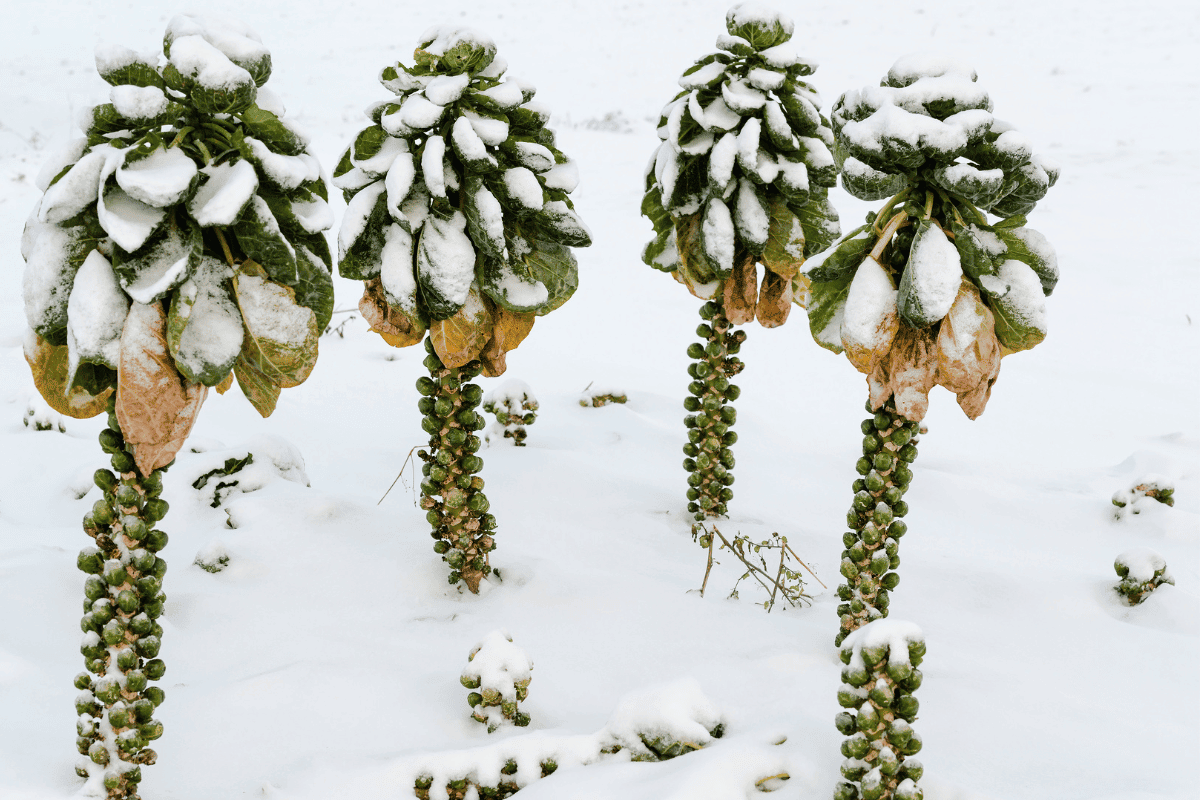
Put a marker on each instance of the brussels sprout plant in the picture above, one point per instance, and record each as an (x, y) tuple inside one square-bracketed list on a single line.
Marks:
[(878, 681), (514, 407), (928, 292), (460, 224), (500, 671), (1141, 571), (178, 244), (741, 178)]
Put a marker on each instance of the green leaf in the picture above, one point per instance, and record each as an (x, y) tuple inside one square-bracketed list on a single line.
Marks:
[(461, 54), (55, 258), (104, 119), (844, 257), (820, 220), (260, 237), (761, 29), (975, 260), (927, 286), (555, 266), (558, 224), (826, 306), (368, 142), (314, 287), (661, 252), (511, 285), (483, 208), (233, 99), (135, 71), (867, 183), (270, 129), (1040, 256), (162, 263), (94, 379), (978, 187), (360, 258)]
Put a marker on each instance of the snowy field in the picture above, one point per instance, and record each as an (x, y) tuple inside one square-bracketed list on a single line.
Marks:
[(324, 661)]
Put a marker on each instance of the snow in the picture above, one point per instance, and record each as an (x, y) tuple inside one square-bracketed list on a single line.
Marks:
[(160, 179), (1010, 514), (741, 97), (446, 89), (399, 182), (447, 258), (765, 79), (869, 317), (721, 161), (491, 215), (286, 172), (138, 103), (492, 131), (498, 664), (750, 214), (170, 268), (915, 66), (1021, 289), (214, 331), (535, 156), (523, 188), (77, 189), (229, 35), (506, 95), (221, 199), (718, 233), (114, 56), (433, 168), (396, 268), (563, 176), (445, 37), (199, 60), (466, 141), (758, 15), (268, 306), (419, 113), (703, 76), (95, 313), (718, 116), (314, 215), (127, 220), (520, 291), (354, 220), (935, 272)]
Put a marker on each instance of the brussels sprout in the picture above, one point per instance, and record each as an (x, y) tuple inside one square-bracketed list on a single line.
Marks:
[(147, 646), (102, 513), (98, 753), (155, 541), (122, 462)]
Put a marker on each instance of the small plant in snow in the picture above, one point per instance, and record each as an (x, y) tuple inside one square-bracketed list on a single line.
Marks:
[(514, 407), (500, 671), (1130, 501), (1141, 571), (741, 177), (178, 244), (878, 681), (597, 397), (928, 292), (41, 417), (460, 224)]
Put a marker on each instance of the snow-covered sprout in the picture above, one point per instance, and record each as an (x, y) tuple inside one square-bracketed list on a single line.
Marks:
[(878, 681), (500, 673), (600, 395), (460, 223), (928, 292), (178, 244), (1131, 500), (1141, 571), (741, 178), (514, 407)]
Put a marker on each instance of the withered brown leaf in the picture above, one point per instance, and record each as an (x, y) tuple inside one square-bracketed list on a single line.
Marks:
[(774, 300), (50, 367)]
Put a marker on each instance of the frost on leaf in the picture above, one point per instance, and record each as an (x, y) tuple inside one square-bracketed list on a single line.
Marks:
[(156, 406), (204, 327)]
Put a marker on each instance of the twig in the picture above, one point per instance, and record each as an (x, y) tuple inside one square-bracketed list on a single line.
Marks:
[(783, 776), (402, 466), (806, 566), (707, 569)]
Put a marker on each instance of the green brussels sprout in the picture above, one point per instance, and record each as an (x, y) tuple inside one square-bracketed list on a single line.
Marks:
[(155, 695), (127, 659), (102, 513), (111, 441), (105, 480), (122, 462), (98, 753), (155, 669), (89, 561), (907, 707), (147, 646), (863, 466), (845, 791), (848, 698), (155, 541)]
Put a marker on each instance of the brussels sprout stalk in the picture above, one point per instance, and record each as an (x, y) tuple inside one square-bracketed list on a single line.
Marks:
[(878, 682), (709, 458), (874, 518), (452, 492), (123, 598)]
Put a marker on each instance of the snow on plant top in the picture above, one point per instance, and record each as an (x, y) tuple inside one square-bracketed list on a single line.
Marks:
[(744, 166), (181, 170), (928, 292), (459, 218), (1141, 564), (498, 664)]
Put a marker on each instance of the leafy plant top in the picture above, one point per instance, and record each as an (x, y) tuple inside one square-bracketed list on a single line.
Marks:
[(743, 171), (179, 241), (929, 292), (459, 216)]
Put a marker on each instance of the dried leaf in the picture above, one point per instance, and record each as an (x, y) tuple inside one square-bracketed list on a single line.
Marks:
[(695, 272), (784, 253), (907, 373), (968, 351), (225, 383), (49, 365), (156, 407), (774, 300), (281, 335), (741, 290), (462, 337), (398, 328), (509, 330)]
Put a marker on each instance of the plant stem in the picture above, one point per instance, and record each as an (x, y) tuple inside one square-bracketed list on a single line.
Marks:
[(709, 458), (452, 494), (874, 519), (121, 638)]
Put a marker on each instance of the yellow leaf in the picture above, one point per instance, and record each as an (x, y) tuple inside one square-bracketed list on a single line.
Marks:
[(694, 270), (280, 334), (156, 407), (257, 387), (225, 383), (398, 328), (49, 364), (509, 330), (461, 338)]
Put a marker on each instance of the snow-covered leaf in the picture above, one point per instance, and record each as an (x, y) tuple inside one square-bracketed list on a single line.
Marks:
[(445, 265), (931, 277), (968, 351), (826, 309), (204, 326), (870, 321), (1016, 298), (162, 263), (160, 177), (224, 192), (280, 340), (96, 313), (260, 237), (397, 327), (783, 252)]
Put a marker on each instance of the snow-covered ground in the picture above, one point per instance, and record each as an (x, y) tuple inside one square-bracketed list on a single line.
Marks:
[(324, 661)]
